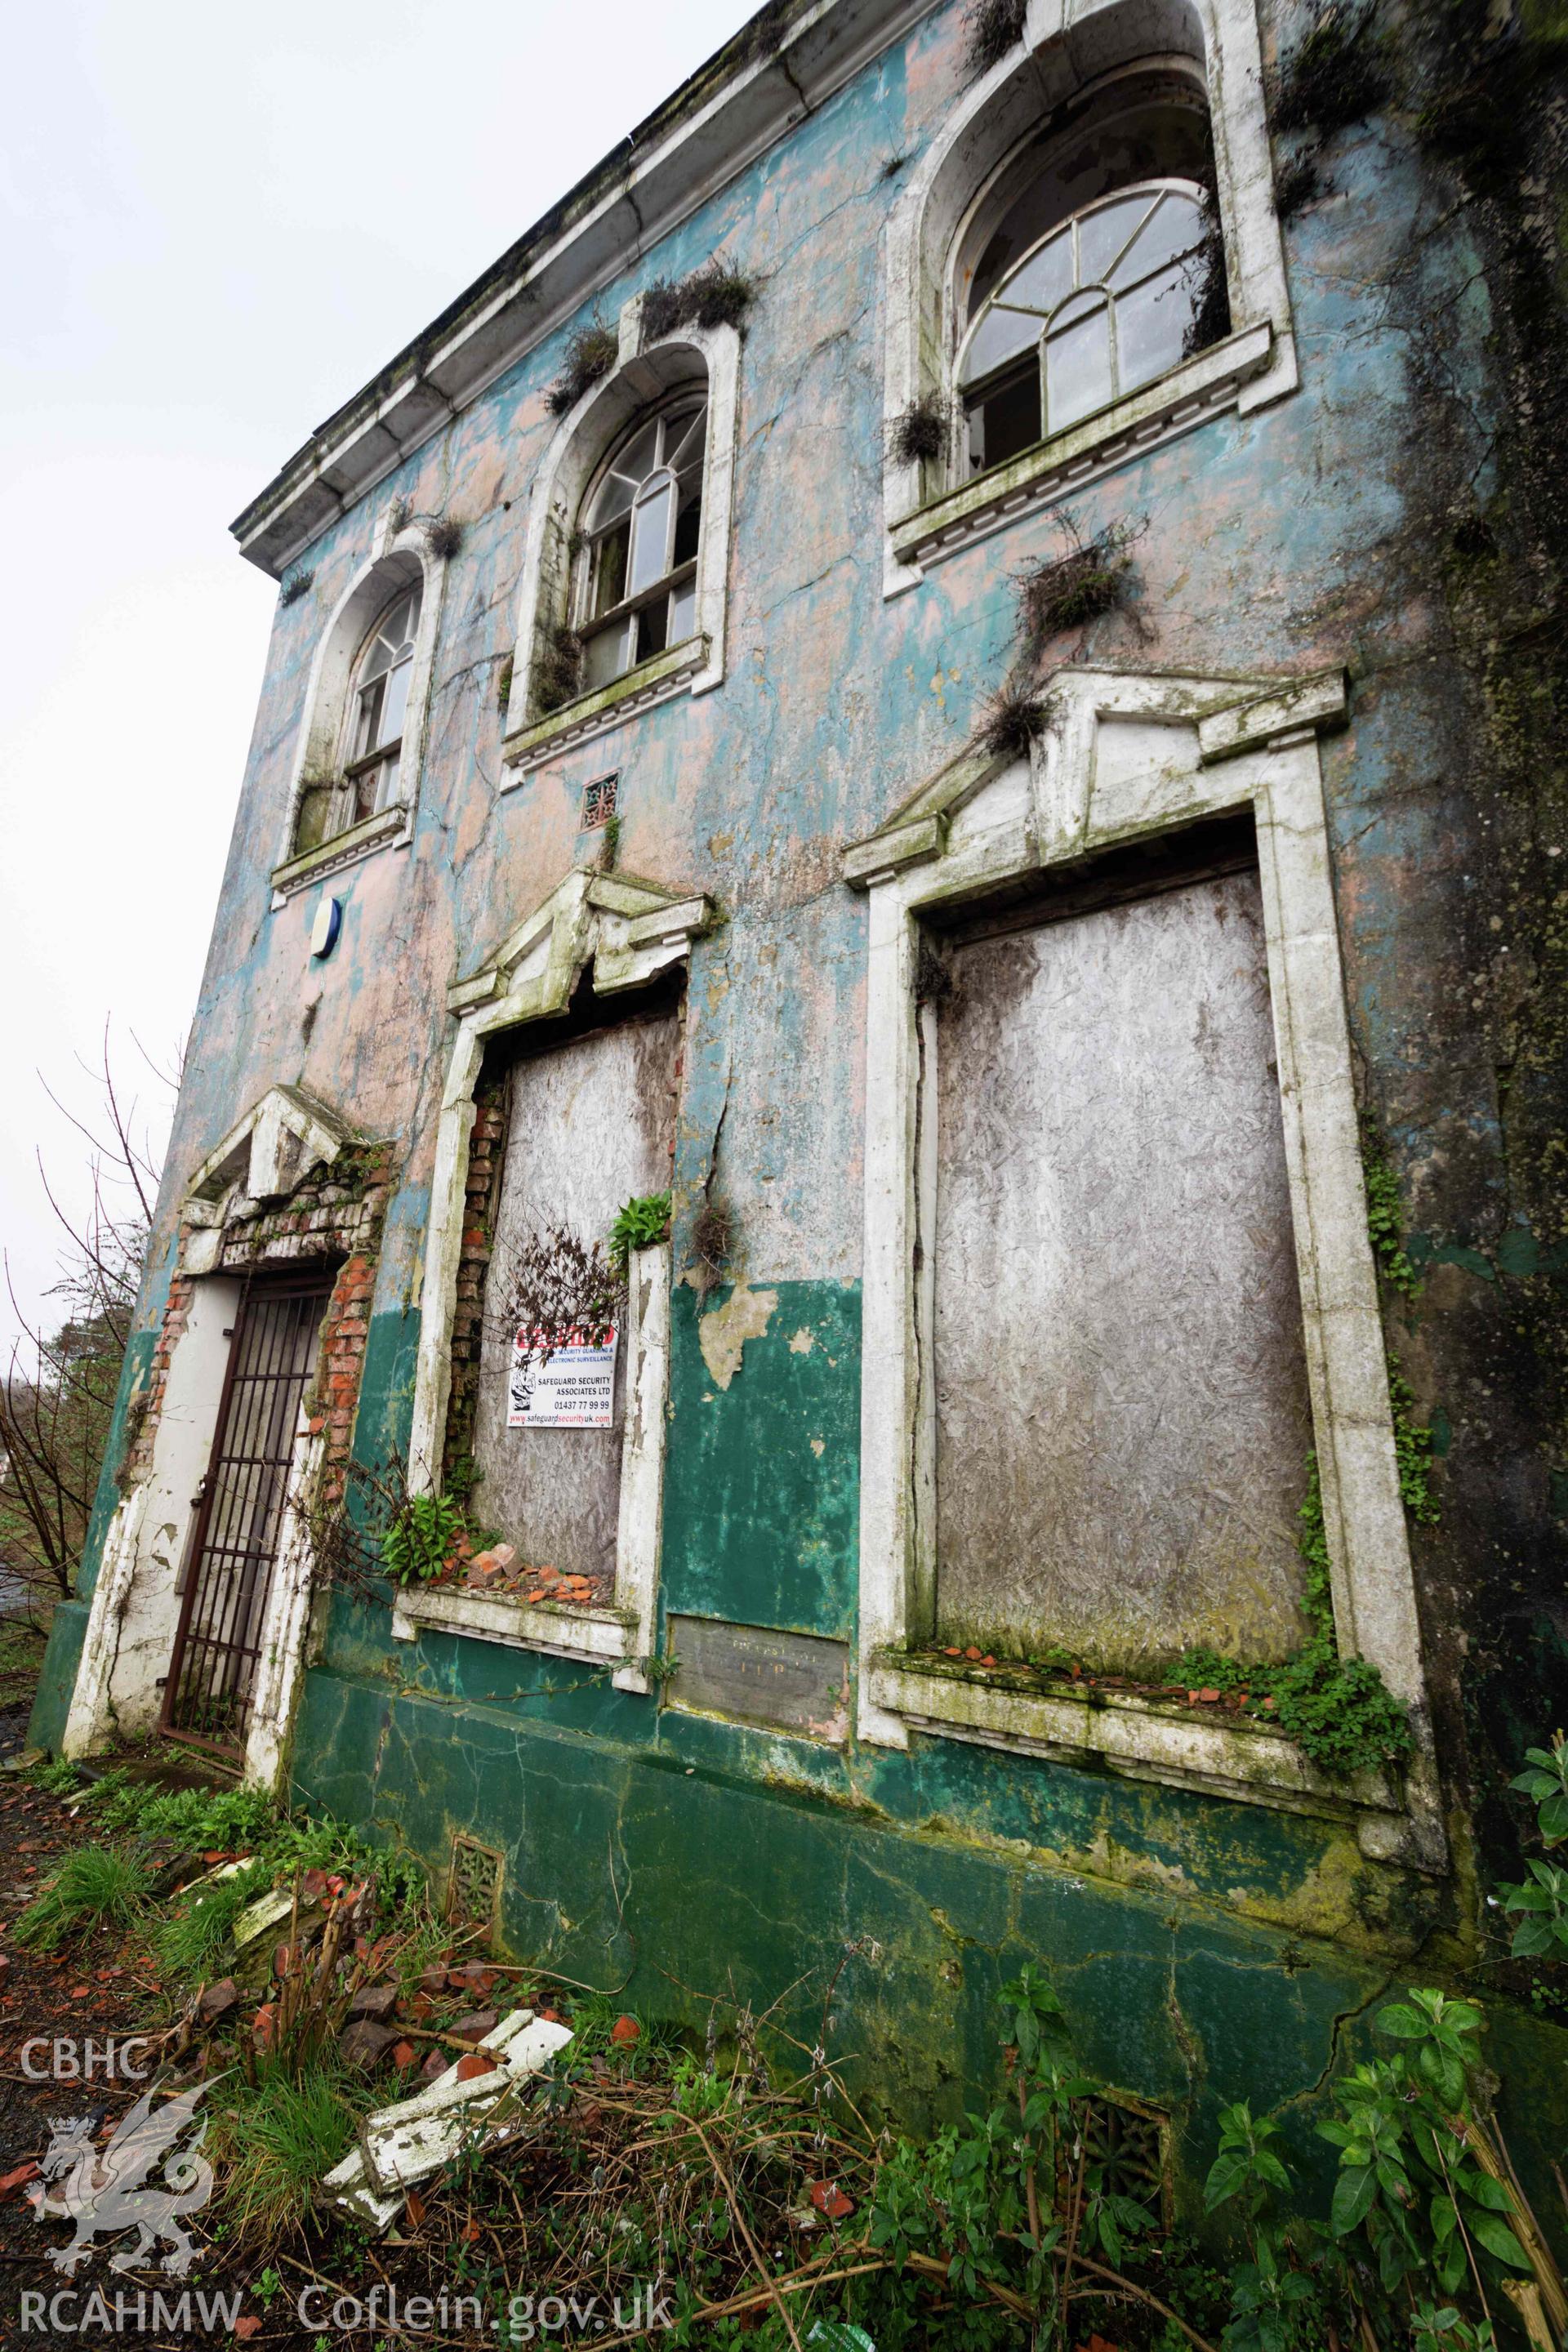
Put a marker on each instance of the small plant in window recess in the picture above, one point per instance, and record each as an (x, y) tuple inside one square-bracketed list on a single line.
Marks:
[(558, 670), (599, 801), (639, 1222), (444, 536), (591, 352), (933, 981), (1203, 275), (920, 432), (503, 683), (1013, 719), (420, 1540), (295, 586), (1338, 1710), (1337, 73), (1090, 578), (991, 29), (716, 295)]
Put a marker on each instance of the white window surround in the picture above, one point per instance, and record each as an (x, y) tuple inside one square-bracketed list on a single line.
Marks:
[(645, 374), (397, 558), (627, 930), (1066, 47), (1128, 756), (135, 1600)]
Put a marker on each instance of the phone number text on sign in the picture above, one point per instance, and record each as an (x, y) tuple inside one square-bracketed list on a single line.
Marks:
[(559, 1381)]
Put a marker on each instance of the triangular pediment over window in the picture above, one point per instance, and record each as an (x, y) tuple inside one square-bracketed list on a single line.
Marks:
[(264, 1157), (626, 927)]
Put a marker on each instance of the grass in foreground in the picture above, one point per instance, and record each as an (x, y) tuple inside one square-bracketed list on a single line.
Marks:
[(97, 1887), (276, 2141)]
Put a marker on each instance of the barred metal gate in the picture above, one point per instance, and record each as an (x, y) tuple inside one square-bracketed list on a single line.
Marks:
[(233, 1546)]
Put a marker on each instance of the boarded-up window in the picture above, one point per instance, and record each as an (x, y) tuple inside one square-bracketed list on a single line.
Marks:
[(1120, 1392), (591, 1125)]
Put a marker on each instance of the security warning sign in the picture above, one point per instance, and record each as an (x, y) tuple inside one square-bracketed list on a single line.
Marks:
[(562, 1379)]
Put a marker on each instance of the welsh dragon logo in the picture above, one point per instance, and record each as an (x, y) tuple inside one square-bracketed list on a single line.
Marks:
[(101, 2190)]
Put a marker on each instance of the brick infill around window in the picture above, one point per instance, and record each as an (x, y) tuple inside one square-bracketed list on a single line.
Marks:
[(487, 1152), (333, 1214)]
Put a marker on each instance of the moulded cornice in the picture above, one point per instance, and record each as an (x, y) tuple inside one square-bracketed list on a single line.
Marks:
[(780, 67)]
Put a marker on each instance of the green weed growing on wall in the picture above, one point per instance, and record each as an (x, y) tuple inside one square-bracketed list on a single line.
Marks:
[(591, 352), (716, 295), (1339, 1711), (991, 29), (421, 1538), (1385, 1217), (1412, 1451), (639, 1223)]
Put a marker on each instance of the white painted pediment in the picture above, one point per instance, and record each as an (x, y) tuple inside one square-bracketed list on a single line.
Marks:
[(628, 928), (1123, 753), (267, 1153)]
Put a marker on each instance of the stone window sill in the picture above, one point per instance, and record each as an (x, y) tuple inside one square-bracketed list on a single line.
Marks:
[(1198, 389), (599, 1637), (1115, 1731), (387, 827), (672, 672)]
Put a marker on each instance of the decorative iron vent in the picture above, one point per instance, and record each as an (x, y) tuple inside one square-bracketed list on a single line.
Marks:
[(599, 801), (1128, 2140), (473, 1884)]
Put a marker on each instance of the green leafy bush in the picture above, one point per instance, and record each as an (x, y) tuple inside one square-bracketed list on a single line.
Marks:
[(205, 1820), (1544, 1898), (1412, 2182)]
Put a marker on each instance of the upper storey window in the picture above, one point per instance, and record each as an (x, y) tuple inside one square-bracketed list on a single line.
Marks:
[(642, 522), (1098, 307), (1085, 263), (378, 704)]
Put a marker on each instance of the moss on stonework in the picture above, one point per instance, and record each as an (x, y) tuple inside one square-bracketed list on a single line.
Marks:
[(1338, 72)]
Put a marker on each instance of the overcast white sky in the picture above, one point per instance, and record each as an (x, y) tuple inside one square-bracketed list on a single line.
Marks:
[(217, 223)]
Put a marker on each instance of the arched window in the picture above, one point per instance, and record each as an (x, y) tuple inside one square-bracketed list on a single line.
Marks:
[(1082, 270), (1103, 304), (637, 588), (377, 702)]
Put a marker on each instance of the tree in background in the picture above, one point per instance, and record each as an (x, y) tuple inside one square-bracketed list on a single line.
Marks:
[(58, 1389)]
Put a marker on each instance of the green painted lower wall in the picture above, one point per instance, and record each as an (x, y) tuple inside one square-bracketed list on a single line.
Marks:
[(1206, 1950), (663, 1877), (56, 1679), (762, 1497)]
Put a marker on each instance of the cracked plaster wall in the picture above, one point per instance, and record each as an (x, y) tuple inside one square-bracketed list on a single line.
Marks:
[(1301, 536)]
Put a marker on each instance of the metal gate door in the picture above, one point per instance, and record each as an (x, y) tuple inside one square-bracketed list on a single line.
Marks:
[(211, 1671)]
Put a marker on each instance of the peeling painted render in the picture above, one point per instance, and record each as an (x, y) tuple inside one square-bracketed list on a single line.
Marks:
[(993, 1017)]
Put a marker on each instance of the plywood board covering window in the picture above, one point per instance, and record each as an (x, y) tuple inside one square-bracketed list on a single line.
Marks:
[(1121, 1409), (591, 1124)]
